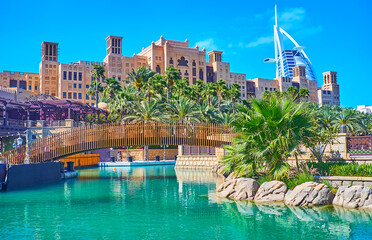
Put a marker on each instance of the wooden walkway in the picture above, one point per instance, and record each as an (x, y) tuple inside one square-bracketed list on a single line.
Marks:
[(83, 139)]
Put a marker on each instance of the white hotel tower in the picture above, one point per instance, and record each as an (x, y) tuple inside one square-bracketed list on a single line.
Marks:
[(286, 60)]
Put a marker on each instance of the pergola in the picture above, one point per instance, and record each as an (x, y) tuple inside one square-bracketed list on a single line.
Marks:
[(49, 110)]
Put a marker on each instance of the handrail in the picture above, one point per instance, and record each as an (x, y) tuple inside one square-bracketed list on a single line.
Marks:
[(109, 135)]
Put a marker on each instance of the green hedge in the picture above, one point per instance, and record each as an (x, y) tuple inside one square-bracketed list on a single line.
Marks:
[(342, 169)]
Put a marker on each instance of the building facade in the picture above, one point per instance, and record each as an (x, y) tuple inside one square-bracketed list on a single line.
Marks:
[(329, 94), (72, 81)]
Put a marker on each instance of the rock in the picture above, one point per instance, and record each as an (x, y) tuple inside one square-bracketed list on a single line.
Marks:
[(238, 188), (354, 197), (273, 191), (218, 168), (309, 194)]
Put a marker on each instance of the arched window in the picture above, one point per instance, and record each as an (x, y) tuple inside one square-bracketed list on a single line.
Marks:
[(182, 61), (158, 69), (171, 61), (201, 74)]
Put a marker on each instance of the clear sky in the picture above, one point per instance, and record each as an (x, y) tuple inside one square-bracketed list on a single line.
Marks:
[(336, 34)]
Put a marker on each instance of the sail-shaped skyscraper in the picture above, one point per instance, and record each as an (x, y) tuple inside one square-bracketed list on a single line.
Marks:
[(286, 59)]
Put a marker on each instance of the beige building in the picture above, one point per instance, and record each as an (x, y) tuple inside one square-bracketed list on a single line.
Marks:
[(118, 66), (24, 80), (190, 62), (329, 94), (75, 79), (71, 81)]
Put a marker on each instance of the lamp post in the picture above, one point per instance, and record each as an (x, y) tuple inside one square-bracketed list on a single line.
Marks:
[(27, 160)]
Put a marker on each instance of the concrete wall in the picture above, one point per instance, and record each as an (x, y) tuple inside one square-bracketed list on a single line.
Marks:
[(138, 154), (27, 175), (195, 161)]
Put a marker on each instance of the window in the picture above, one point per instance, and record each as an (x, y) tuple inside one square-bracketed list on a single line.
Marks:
[(29, 87), (92, 104), (79, 95), (80, 76), (69, 75), (75, 75), (74, 85), (69, 95), (79, 85), (92, 78), (64, 75), (75, 96), (86, 96), (86, 86), (119, 79), (35, 88), (64, 94)]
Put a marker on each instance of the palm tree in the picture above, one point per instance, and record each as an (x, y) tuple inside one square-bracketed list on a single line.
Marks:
[(210, 91), (92, 90), (98, 72), (146, 112), (292, 92), (348, 118), (112, 88), (234, 94), (141, 76), (269, 135), (304, 93), (199, 89), (154, 85), (124, 100), (226, 119), (221, 90), (183, 110), (266, 94), (171, 75), (208, 113), (182, 87)]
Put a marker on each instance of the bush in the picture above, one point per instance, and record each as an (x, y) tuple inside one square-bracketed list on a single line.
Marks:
[(342, 169), (300, 178)]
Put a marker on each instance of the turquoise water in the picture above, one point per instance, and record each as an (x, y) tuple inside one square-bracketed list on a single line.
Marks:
[(161, 203)]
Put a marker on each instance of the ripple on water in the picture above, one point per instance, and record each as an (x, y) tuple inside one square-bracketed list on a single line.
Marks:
[(161, 203)]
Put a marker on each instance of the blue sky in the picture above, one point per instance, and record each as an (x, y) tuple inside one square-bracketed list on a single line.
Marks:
[(337, 34)]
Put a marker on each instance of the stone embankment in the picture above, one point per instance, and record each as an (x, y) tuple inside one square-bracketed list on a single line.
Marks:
[(307, 194), (354, 197)]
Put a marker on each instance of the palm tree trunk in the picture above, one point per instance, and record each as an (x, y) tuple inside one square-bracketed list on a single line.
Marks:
[(219, 103)]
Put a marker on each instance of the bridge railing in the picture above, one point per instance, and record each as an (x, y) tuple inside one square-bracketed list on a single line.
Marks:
[(115, 135)]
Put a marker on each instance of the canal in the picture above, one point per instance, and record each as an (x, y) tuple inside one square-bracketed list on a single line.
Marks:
[(162, 203)]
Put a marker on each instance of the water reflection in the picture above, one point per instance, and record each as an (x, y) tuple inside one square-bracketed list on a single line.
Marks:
[(164, 203)]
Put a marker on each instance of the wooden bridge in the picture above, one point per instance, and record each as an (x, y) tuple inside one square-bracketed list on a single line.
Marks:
[(88, 138)]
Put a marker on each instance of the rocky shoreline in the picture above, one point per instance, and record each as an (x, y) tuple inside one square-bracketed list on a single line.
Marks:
[(308, 194)]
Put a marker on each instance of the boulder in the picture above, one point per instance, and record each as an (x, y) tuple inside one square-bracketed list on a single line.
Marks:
[(217, 168), (238, 189), (273, 191), (354, 197), (309, 194)]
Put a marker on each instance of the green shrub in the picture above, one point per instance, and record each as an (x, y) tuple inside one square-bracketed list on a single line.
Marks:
[(342, 169), (264, 178), (300, 178)]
